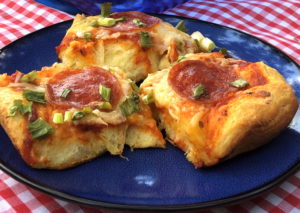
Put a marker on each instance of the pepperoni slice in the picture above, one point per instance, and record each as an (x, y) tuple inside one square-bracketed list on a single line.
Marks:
[(128, 24), (184, 76), (84, 85)]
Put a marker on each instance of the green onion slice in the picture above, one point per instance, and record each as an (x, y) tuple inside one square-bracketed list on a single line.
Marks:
[(104, 106), (34, 96), (198, 91), (105, 9), (239, 83), (40, 129), (65, 93), (68, 116), (130, 105), (145, 40), (87, 35), (148, 99), (181, 26), (29, 77), (138, 22), (19, 107), (134, 87), (109, 22), (78, 115), (104, 92), (58, 118)]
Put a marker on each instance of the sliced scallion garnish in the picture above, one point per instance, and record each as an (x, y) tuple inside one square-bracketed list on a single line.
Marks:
[(145, 40), (109, 22), (87, 110), (19, 107), (105, 9), (206, 45), (66, 92), (34, 96), (104, 106), (78, 115), (130, 105), (198, 91), (68, 116), (148, 99), (134, 86), (181, 26), (29, 77), (40, 129), (138, 22), (104, 92), (58, 118), (87, 35), (239, 83)]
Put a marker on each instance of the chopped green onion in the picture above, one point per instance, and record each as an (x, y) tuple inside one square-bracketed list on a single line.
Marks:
[(198, 91), (19, 107), (40, 129), (58, 118), (239, 83), (148, 99), (180, 58), (34, 96), (68, 116), (104, 106), (109, 22), (130, 105), (145, 40), (104, 92), (181, 26), (105, 9), (95, 24), (138, 22), (197, 35), (29, 77), (87, 110), (134, 86), (224, 51), (206, 45), (87, 35), (78, 115), (65, 93)]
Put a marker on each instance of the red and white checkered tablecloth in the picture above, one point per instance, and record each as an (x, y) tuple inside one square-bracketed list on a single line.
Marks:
[(277, 22)]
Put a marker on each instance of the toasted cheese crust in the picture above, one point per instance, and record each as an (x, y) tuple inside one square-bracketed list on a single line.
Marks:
[(74, 142), (220, 125), (120, 45)]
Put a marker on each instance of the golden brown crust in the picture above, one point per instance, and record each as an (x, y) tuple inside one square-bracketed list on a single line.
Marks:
[(122, 48), (73, 143), (211, 131)]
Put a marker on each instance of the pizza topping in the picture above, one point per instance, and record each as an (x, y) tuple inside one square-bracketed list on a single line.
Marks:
[(186, 76), (130, 105), (181, 26), (19, 107), (198, 91), (87, 35), (104, 106), (87, 110), (68, 116), (239, 83), (145, 40), (138, 22), (65, 93), (145, 21), (107, 22), (85, 87), (40, 129), (105, 9), (29, 77), (58, 118), (34, 96), (148, 99), (134, 87), (77, 115), (104, 92)]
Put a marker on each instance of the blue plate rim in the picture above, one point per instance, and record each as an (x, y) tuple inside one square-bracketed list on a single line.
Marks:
[(181, 207)]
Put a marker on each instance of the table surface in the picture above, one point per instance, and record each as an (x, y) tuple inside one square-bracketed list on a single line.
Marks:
[(276, 22)]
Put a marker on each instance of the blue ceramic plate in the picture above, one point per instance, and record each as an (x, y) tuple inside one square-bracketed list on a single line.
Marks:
[(157, 178)]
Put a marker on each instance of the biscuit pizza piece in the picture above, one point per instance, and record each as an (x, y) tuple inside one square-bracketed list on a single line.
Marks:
[(214, 108), (136, 42), (60, 117)]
